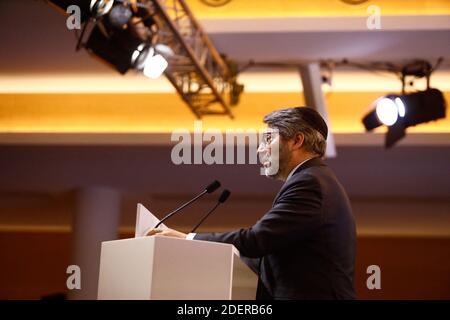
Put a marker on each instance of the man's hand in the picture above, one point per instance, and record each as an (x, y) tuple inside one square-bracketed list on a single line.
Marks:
[(167, 233)]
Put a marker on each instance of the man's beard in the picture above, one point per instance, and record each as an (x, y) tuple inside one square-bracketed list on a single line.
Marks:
[(284, 157)]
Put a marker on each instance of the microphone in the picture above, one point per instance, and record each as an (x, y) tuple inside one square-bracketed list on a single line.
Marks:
[(213, 186), (223, 197)]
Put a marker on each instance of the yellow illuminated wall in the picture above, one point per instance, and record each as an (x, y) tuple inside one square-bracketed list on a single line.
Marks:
[(164, 112), (303, 8)]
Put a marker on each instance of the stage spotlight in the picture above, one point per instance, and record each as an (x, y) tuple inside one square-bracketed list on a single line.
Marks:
[(164, 50), (148, 36), (424, 106), (101, 7), (88, 8), (119, 16), (387, 111), (140, 55), (155, 66), (399, 112), (400, 107), (116, 47), (147, 59)]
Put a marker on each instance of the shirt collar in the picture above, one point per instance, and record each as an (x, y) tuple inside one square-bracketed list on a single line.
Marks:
[(296, 167)]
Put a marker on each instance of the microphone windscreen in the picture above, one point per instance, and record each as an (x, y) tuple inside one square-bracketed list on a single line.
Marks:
[(213, 186), (224, 196)]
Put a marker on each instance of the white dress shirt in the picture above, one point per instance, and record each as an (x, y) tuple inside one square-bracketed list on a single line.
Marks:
[(296, 167)]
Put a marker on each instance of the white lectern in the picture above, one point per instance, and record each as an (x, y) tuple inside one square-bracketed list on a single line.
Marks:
[(168, 268)]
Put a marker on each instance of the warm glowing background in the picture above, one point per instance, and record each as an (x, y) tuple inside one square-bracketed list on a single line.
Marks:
[(54, 102)]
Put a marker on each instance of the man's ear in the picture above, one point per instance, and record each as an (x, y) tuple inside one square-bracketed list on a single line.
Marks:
[(299, 138)]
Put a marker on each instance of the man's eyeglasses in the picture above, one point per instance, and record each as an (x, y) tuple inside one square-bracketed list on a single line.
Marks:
[(268, 137)]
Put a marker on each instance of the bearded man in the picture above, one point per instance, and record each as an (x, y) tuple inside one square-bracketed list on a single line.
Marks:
[(304, 246)]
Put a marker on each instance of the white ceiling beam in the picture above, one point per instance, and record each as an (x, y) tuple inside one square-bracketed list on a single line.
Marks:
[(311, 24), (163, 139), (314, 97)]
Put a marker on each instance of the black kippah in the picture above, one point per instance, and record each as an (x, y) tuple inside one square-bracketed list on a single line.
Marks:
[(314, 119)]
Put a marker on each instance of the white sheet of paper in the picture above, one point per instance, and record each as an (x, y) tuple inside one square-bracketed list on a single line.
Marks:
[(145, 221)]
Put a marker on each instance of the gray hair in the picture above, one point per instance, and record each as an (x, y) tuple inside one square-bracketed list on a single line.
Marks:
[(290, 121)]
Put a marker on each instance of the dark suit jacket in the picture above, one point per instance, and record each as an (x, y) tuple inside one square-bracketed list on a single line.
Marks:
[(306, 240)]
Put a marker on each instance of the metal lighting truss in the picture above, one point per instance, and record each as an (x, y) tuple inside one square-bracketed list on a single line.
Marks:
[(204, 79), (198, 72)]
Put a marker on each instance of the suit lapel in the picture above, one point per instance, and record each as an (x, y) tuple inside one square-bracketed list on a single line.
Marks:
[(308, 164)]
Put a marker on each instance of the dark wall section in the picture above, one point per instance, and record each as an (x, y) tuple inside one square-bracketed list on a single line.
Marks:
[(33, 265), (411, 267)]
